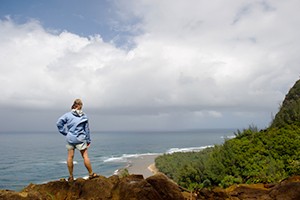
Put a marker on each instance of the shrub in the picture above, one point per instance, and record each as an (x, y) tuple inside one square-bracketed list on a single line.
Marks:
[(230, 180)]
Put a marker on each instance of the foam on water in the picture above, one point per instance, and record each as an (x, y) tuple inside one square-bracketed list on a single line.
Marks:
[(125, 157), (65, 162), (228, 137), (188, 149)]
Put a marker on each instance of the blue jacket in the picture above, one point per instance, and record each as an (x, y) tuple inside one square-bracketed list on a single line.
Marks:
[(75, 127)]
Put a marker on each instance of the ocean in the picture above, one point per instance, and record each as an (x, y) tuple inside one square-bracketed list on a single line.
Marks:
[(40, 157)]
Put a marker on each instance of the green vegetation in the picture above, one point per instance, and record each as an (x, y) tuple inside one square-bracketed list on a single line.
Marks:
[(123, 173), (187, 169), (289, 112), (253, 156)]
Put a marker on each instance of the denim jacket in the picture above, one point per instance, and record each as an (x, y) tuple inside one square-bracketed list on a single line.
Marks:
[(75, 127)]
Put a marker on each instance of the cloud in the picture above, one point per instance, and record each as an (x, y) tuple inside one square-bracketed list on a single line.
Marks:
[(198, 57), (236, 53)]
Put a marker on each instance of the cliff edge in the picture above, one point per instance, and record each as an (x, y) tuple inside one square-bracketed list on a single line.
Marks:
[(132, 187), (156, 187)]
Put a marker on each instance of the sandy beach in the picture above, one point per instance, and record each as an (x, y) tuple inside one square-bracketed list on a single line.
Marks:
[(142, 165)]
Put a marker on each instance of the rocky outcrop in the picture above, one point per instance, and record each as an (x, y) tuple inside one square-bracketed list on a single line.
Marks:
[(157, 187), (286, 190), (133, 187)]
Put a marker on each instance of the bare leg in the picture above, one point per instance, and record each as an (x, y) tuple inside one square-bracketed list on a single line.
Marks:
[(86, 159), (70, 162)]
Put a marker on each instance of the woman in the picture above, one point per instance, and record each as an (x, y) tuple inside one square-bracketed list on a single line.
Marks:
[(74, 125)]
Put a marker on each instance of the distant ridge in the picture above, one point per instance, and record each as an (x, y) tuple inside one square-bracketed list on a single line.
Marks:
[(289, 112)]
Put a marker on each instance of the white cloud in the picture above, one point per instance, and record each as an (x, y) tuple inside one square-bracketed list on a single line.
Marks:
[(192, 56)]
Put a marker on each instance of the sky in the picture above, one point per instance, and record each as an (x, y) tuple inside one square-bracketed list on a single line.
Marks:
[(147, 64)]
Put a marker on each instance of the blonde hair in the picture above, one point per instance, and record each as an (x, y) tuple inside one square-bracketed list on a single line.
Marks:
[(77, 103)]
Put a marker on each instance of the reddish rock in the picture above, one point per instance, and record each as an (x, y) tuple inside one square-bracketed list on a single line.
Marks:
[(133, 187), (286, 190), (136, 187), (165, 187), (157, 187)]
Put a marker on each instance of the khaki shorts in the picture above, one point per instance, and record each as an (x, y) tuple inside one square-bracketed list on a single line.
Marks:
[(81, 146)]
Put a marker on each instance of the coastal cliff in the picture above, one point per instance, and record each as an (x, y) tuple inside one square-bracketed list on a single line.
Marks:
[(156, 187), (253, 156), (289, 112), (273, 152)]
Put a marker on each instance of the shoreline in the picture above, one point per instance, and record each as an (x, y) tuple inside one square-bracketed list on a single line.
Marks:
[(144, 165), (152, 168)]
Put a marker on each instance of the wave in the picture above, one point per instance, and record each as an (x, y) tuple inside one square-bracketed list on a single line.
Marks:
[(187, 149), (228, 137), (124, 158), (65, 162)]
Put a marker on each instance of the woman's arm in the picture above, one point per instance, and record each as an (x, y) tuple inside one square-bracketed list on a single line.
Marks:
[(61, 125)]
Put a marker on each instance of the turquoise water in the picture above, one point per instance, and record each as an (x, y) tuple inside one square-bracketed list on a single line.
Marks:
[(41, 157)]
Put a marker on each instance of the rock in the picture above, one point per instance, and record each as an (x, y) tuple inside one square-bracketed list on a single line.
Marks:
[(248, 192), (286, 190), (157, 187), (136, 187), (12, 195), (133, 187), (165, 187)]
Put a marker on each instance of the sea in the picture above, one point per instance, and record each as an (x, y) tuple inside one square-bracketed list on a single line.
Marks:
[(40, 157)]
